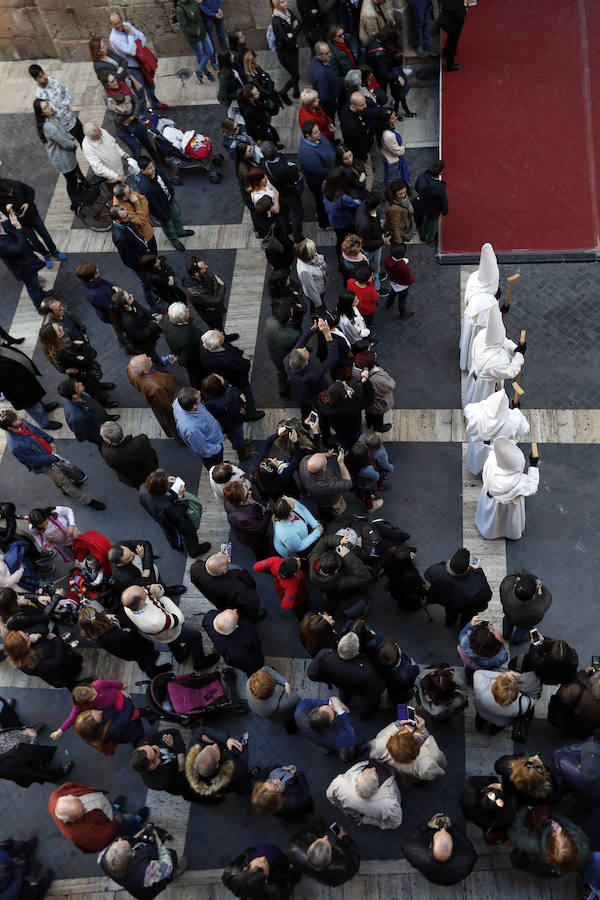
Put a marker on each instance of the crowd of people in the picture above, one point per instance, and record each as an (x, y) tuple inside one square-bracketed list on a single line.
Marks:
[(302, 504)]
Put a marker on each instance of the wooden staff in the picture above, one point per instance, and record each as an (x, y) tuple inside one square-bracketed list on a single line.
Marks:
[(534, 450), (518, 392), (511, 280)]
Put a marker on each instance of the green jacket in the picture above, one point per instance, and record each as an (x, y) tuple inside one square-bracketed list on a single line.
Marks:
[(534, 842), (280, 340), (183, 341), (228, 86), (190, 20), (340, 63)]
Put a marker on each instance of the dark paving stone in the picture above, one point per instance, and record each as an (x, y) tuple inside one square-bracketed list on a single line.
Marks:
[(555, 304), (560, 543)]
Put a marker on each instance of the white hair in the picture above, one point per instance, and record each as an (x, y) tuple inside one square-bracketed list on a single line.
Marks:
[(136, 365), (90, 128), (366, 784), (348, 646), (212, 340), (177, 313)]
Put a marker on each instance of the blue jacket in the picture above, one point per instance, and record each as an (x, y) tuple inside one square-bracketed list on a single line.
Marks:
[(565, 763), (17, 254), (341, 211), (431, 195), (316, 160), (83, 421), (158, 201), (399, 680), (210, 8), (131, 246), (200, 431), (98, 294), (290, 538), (480, 662), (340, 735), (325, 81), (227, 409), (28, 451), (306, 384)]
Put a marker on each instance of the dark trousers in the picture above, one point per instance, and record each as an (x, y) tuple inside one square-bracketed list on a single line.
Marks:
[(374, 420), (77, 132), (209, 461), (38, 230), (134, 135), (289, 61), (283, 385), (317, 193), (453, 29), (34, 289), (367, 706), (293, 213), (402, 298), (75, 181), (189, 641)]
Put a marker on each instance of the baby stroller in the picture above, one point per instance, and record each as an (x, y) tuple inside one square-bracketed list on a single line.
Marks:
[(187, 699), (82, 589), (183, 150)]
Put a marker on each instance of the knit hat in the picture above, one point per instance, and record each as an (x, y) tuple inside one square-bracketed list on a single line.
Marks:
[(590, 760), (288, 567), (459, 562), (365, 360), (348, 646)]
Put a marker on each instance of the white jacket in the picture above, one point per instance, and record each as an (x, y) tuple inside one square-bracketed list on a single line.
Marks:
[(487, 707), (383, 809), (104, 156), (160, 619), (429, 764)]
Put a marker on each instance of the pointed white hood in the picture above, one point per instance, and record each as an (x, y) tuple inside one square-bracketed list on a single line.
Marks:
[(485, 279), (494, 413), (495, 333), (508, 456)]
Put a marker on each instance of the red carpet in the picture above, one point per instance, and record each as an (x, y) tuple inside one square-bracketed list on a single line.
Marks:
[(522, 158)]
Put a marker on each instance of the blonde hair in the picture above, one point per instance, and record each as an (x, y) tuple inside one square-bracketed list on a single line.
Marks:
[(505, 689), (403, 747), (351, 245), (88, 729), (528, 780), (562, 852), (308, 96), (249, 62), (83, 693), (266, 801)]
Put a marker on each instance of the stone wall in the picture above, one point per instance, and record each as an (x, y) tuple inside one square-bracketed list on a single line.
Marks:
[(34, 29)]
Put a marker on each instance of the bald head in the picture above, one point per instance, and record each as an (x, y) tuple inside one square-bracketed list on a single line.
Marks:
[(357, 101), (133, 597), (316, 463), (69, 809), (367, 783), (217, 564), (442, 845), (207, 761), (226, 622)]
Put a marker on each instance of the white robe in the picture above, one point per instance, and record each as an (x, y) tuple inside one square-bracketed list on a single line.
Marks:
[(491, 365), (515, 427), (477, 311), (503, 514)]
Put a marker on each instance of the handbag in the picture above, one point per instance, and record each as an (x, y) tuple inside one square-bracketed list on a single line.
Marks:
[(411, 232), (194, 509), (67, 468), (270, 242), (521, 725)]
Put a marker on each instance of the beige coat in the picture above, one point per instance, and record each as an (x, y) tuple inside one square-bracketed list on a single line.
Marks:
[(397, 220), (372, 19), (383, 809), (429, 764)]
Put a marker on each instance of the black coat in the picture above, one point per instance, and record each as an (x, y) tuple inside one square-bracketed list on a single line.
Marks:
[(159, 200), (133, 459), (356, 132), (431, 193), (17, 253), (207, 297), (355, 676), (138, 331), (257, 119), (236, 589), (232, 770), (471, 802), (158, 282), (228, 362), (145, 853), (418, 853), (345, 860), (18, 381), (503, 767), (346, 417), (126, 642), (166, 777), (284, 176), (469, 593), (297, 800), (278, 886), (55, 663), (242, 649), (538, 660), (170, 512), (21, 193), (27, 764), (126, 575), (574, 708)]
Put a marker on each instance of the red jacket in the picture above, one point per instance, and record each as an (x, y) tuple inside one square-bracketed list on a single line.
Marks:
[(320, 117), (367, 296), (291, 590), (398, 271), (94, 831)]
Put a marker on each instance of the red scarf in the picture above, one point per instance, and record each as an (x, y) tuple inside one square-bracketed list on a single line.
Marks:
[(346, 49), (47, 447), (121, 86)]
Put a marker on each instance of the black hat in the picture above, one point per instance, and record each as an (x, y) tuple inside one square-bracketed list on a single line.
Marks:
[(459, 562), (288, 567), (525, 586)]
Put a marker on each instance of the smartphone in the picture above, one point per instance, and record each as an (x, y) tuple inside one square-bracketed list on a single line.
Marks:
[(411, 713), (177, 485), (402, 712), (226, 548), (536, 638), (312, 419), (335, 828), (596, 662), (473, 560)]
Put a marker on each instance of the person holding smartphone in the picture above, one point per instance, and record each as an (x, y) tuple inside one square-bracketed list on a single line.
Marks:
[(326, 853), (440, 852), (407, 747), (525, 601)]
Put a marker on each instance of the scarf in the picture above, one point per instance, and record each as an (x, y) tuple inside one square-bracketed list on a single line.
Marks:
[(286, 16), (406, 204), (343, 46)]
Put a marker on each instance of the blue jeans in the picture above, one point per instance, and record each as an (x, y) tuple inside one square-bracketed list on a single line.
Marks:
[(512, 633), (189, 641), (204, 51), (391, 171), (130, 824), (36, 231), (217, 25), (146, 88), (236, 436), (374, 257), (38, 414), (421, 10), (34, 289), (134, 135)]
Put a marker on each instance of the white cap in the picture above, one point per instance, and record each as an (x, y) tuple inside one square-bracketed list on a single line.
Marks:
[(508, 456), (494, 414), (488, 275), (495, 333)]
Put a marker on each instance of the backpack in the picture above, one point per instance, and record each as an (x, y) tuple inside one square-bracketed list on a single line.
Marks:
[(271, 39)]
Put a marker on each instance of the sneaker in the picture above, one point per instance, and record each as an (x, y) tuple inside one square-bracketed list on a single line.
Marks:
[(97, 504), (255, 417), (209, 660), (215, 65), (230, 338), (187, 232), (163, 105), (209, 75), (410, 115), (48, 260), (66, 767), (175, 590), (421, 52), (119, 803), (202, 549), (142, 814), (385, 428), (407, 315), (52, 426), (199, 77), (59, 255)]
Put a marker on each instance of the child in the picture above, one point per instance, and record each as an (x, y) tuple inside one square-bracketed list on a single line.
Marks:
[(363, 286), (91, 571), (233, 135), (375, 444), (366, 478), (289, 580), (401, 279)]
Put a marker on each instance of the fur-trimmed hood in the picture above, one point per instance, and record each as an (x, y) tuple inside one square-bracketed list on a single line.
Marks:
[(217, 782)]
